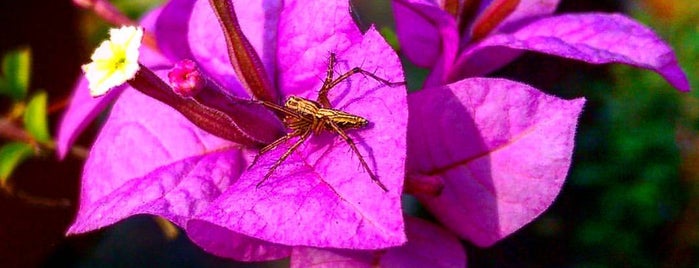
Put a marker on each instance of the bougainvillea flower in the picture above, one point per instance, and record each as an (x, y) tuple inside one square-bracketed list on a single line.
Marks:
[(484, 155), (468, 39), (494, 185), (149, 159)]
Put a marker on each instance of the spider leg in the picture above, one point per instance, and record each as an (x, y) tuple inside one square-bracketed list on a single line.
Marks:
[(283, 109), (298, 125), (356, 151), (353, 71), (272, 146), (323, 92), (293, 147)]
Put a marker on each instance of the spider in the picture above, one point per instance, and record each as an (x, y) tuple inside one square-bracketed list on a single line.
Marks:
[(303, 117)]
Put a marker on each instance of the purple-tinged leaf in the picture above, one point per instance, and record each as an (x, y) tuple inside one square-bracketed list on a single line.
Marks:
[(428, 246), (322, 186), (594, 38), (205, 37), (502, 148)]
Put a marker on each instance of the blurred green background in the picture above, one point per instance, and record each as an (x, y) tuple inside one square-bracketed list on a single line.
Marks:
[(631, 198)]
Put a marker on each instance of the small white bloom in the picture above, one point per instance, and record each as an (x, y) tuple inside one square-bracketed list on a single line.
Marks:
[(115, 61)]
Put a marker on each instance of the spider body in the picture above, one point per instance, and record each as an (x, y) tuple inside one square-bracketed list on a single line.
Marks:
[(303, 117), (319, 119)]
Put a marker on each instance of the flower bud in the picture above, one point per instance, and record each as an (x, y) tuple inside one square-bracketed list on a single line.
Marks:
[(185, 79)]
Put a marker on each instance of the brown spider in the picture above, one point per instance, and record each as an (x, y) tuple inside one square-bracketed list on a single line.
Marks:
[(303, 117)]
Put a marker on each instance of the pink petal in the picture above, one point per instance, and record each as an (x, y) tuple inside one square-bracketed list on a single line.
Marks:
[(82, 110), (417, 29), (307, 43), (593, 38), (322, 186), (526, 11), (530, 9), (172, 27), (428, 37), (175, 191), (259, 22), (225, 243), (321, 257), (161, 164), (501, 148), (138, 159), (428, 246)]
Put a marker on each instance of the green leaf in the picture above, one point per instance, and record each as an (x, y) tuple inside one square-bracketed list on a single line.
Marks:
[(11, 155), (390, 37), (16, 67), (35, 118)]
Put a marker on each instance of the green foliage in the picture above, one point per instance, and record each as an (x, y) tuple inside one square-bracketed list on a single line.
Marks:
[(391, 37), (628, 157), (16, 68), (135, 9), (36, 119), (11, 155), (14, 83)]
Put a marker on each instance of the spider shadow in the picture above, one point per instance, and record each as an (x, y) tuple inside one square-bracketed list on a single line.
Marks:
[(347, 86), (325, 143)]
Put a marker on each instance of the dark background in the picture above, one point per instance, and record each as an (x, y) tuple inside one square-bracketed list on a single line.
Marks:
[(629, 200)]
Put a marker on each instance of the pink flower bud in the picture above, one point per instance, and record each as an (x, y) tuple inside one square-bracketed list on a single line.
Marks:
[(185, 78)]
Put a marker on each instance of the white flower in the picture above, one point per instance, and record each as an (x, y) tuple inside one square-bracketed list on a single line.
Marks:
[(115, 61)]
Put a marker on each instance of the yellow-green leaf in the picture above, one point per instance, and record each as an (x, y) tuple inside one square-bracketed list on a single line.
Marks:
[(11, 155), (16, 68), (390, 37), (35, 118)]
